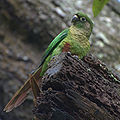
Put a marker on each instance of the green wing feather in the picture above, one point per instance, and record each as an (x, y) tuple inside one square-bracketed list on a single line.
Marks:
[(21, 94), (53, 44)]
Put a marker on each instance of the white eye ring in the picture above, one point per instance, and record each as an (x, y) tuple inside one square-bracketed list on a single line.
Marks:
[(82, 19)]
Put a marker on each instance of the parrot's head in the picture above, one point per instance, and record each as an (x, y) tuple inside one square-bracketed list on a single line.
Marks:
[(82, 22)]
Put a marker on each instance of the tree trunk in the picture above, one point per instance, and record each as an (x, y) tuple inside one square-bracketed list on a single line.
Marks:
[(76, 89)]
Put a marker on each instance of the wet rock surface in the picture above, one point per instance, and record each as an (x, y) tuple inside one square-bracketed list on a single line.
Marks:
[(26, 29)]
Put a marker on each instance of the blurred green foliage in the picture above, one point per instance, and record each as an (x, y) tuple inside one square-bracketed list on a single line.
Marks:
[(98, 6)]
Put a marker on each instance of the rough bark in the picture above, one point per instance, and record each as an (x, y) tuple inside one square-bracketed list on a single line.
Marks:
[(76, 89)]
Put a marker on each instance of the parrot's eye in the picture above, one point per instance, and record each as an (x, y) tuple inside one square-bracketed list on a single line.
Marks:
[(82, 19)]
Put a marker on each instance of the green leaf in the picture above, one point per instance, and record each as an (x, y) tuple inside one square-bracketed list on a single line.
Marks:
[(97, 6)]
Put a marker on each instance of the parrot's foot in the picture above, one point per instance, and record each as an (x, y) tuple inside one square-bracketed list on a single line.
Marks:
[(68, 53), (76, 57)]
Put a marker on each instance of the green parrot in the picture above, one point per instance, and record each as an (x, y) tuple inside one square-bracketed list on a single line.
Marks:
[(75, 40)]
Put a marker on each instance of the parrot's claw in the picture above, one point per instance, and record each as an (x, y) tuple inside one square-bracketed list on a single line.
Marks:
[(68, 53), (76, 57)]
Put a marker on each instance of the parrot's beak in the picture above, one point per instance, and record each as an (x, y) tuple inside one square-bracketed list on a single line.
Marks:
[(74, 19)]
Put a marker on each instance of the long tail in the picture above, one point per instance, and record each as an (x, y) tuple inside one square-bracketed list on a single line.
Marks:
[(22, 93)]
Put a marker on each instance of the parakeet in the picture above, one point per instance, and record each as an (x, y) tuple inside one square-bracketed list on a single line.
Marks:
[(75, 39)]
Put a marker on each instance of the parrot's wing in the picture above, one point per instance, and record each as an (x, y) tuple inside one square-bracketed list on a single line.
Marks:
[(54, 44), (22, 93)]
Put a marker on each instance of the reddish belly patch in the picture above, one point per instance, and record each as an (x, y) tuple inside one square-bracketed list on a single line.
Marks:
[(66, 47)]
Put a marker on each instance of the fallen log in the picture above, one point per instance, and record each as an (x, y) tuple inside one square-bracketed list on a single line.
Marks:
[(76, 89)]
